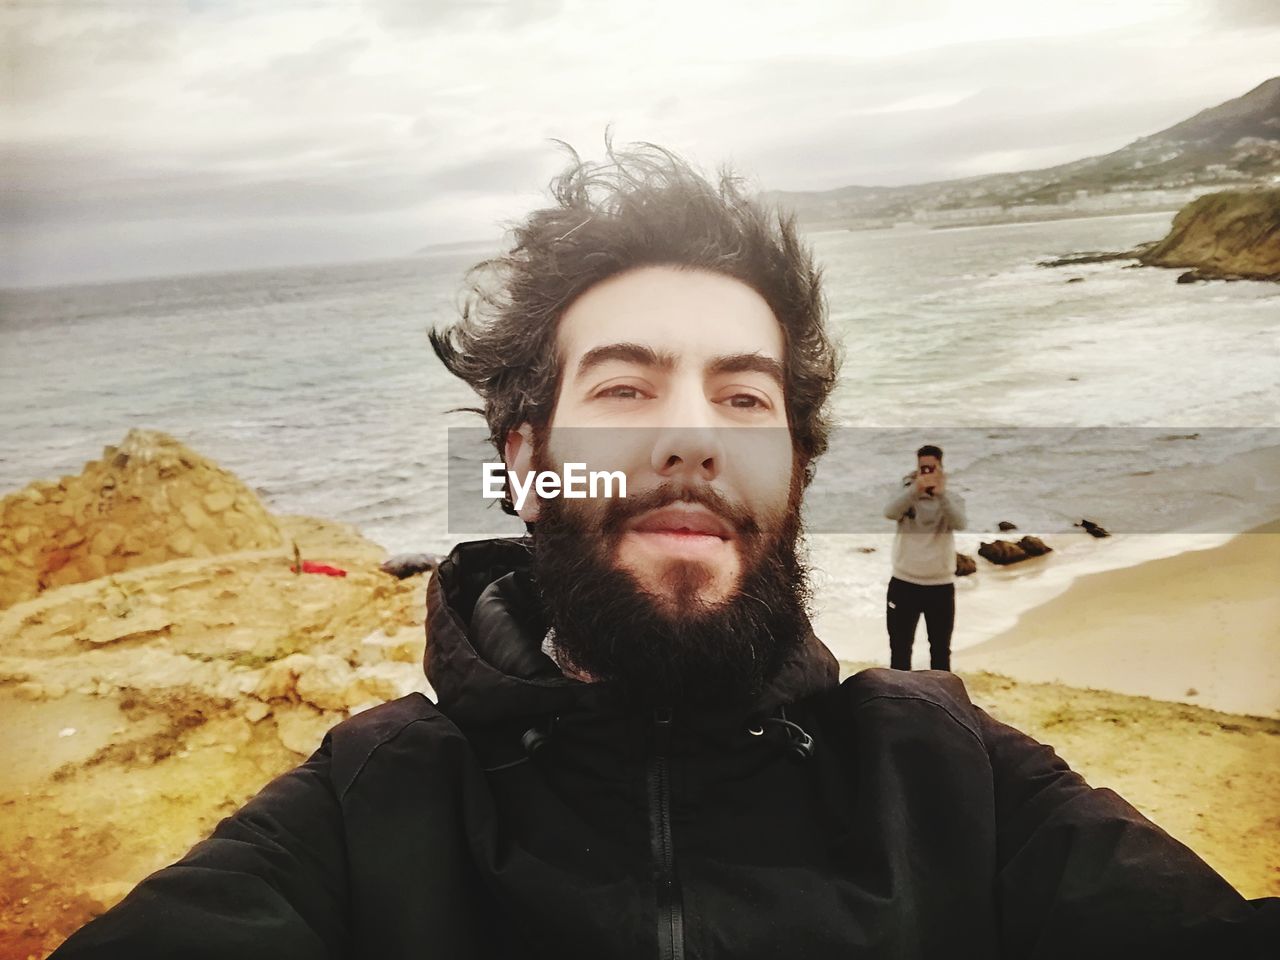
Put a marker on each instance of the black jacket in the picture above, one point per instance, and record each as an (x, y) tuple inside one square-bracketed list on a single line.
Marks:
[(527, 816)]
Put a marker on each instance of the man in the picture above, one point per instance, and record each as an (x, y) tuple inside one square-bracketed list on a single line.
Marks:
[(924, 561), (640, 748)]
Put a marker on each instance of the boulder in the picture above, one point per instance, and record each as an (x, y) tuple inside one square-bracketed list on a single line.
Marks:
[(1093, 529), (1002, 552), (1006, 525), (1034, 546), (404, 565), (965, 565)]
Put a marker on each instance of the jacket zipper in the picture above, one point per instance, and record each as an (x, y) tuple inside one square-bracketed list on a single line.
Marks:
[(662, 847)]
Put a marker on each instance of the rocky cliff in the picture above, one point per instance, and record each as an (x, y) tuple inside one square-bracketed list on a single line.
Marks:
[(1228, 234), (147, 501)]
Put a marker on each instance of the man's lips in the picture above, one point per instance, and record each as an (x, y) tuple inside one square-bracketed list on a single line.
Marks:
[(690, 521)]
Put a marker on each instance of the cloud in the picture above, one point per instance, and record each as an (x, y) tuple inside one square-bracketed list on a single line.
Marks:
[(62, 183), (434, 15), (300, 121), (1245, 14)]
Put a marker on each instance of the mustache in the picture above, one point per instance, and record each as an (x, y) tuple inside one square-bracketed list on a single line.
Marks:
[(619, 512)]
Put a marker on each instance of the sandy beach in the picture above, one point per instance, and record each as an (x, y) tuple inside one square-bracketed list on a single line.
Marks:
[(1202, 627)]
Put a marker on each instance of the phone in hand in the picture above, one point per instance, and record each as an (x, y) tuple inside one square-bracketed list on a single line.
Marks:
[(925, 470)]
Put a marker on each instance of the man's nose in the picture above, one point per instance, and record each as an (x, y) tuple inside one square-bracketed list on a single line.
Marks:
[(688, 453)]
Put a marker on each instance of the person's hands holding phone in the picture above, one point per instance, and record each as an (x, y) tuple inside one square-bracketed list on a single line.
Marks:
[(930, 480)]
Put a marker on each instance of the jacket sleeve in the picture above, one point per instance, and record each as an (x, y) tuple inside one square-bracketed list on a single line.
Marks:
[(901, 501), (953, 510), (1080, 872), (269, 883)]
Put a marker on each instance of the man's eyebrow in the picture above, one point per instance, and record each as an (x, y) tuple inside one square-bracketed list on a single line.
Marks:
[(636, 353), (749, 363)]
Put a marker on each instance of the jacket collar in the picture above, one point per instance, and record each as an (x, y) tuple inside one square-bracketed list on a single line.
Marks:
[(484, 656)]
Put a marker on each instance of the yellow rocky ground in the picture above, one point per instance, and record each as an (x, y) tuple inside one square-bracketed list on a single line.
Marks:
[(142, 707)]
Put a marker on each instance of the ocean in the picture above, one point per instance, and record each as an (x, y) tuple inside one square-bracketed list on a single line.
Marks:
[(1148, 406)]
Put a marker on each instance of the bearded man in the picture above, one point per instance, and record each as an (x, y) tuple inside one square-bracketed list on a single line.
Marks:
[(640, 749)]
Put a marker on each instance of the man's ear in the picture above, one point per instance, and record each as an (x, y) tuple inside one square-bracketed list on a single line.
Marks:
[(519, 458)]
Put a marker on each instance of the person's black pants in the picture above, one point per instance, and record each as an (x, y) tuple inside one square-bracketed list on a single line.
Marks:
[(904, 604)]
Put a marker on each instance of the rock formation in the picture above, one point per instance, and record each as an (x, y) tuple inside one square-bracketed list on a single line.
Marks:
[(1002, 552), (1234, 234), (1034, 546), (149, 500)]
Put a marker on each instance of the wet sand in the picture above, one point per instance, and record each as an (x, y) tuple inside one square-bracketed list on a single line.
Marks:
[(1202, 627)]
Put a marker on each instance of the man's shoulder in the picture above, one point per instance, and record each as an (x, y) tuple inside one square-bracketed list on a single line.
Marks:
[(410, 728), (898, 695)]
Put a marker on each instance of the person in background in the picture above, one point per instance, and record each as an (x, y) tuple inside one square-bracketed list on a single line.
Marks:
[(924, 561)]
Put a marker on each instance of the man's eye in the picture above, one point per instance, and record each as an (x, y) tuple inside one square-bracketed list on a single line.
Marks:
[(621, 391), (746, 401)]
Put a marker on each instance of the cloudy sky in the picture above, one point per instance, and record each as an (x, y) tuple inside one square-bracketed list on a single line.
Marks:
[(147, 137)]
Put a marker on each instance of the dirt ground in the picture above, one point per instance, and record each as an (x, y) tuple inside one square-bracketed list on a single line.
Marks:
[(1210, 779), (140, 709)]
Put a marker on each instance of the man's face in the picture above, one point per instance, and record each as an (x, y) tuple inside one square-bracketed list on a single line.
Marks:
[(675, 377), (690, 586)]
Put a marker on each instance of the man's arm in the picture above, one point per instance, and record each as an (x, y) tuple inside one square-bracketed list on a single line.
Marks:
[(901, 501), (1080, 872), (269, 883), (953, 509)]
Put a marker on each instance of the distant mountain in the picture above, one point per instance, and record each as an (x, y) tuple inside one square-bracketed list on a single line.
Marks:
[(1256, 114), (1235, 144)]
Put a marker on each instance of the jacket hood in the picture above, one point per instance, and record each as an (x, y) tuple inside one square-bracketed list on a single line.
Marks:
[(485, 628)]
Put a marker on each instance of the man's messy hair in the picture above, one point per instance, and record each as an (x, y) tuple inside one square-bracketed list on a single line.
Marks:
[(642, 206)]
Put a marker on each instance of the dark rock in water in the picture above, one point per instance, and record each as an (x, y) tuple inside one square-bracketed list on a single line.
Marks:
[(1179, 436), (866, 549), (1093, 529), (1191, 276), (1002, 552), (404, 565), (1006, 525), (1034, 546), (1088, 256), (1075, 280), (965, 565), (1074, 378)]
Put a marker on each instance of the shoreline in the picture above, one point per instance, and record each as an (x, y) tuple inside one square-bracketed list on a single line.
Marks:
[(1201, 627), (830, 226)]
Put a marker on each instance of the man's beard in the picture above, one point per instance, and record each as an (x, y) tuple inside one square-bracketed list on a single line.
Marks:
[(675, 649)]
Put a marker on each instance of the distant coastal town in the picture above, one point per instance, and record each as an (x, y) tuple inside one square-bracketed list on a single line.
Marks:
[(1233, 146)]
